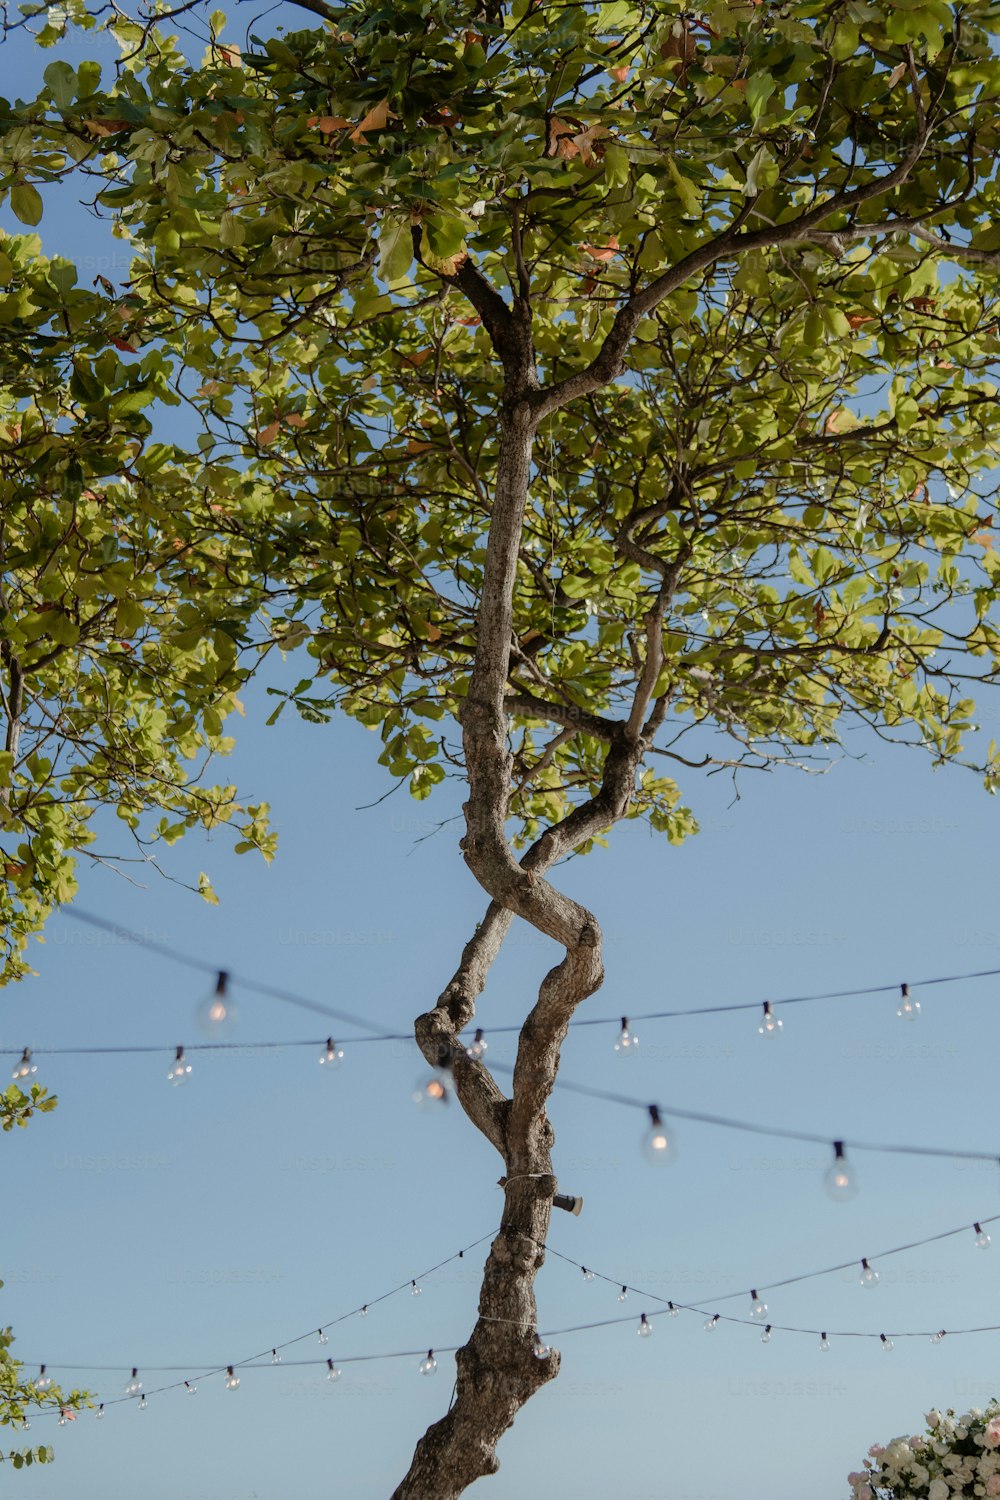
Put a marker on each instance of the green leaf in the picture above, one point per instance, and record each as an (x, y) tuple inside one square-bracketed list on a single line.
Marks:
[(26, 202)]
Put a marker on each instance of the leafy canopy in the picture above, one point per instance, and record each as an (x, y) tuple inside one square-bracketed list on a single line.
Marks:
[(755, 248)]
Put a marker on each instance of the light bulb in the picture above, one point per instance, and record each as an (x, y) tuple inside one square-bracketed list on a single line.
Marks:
[(588, 1275), (673, 1312), (100, 1412), (477, 1046), (180, 1069), (275, 1357), (321, 1337), (765, 1337), (363, 1311), (63, 1416), (192, 1390), (26, 1425), (333, 1372), (133, 1385), (415, 1291), (908, 1009), (627, 1043), (839, 1181), (433, 1090), (232, 1379), (869, 1275), (936, 1338), (143, 1403), (217, 1013), (824, 1343), (886, 1341), (623, 1294), (645, 1327), (44, 1381), (770, 1023), (658, 1144), (331, 1055), (982, 1238), (25, 1067), (712, 1323), (539, 1348), (758, 1307), (429, 1365)]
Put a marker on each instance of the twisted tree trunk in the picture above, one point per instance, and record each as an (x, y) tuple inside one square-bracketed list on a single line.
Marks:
[(499, 1369)]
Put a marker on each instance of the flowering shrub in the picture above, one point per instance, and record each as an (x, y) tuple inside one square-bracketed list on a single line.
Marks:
[(957, 1456)]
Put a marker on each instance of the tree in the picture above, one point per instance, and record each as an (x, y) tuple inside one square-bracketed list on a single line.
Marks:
[(20, 1395), (612, 382)]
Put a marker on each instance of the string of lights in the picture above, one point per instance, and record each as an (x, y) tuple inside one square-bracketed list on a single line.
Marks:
[(218, 1013), (270, 1356), (665, 1308)]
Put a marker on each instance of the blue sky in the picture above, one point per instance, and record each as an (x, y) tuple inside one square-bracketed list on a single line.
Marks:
[(157, 1227), (191, 1227)]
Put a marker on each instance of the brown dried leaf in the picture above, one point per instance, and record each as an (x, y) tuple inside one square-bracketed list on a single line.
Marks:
[(604, 252), (375, 119), (295, 419), (418, 357), (102, 128), (587, 145), (561, 134), (268, 434)]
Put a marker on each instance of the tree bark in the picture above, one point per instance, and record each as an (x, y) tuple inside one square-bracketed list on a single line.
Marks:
[(498, 1370)]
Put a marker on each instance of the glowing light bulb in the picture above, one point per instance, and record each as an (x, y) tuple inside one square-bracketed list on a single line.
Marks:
[(887, 1343), (645, 1327), (869, 1275), (143, 1403), (331, 1055), (908, 1009), (217, 1013), (25, 1067), (477, 1046), (432, 1091), (627, 1043), (321, 1337), (180, 1069), (44, 1381), (658, 1145), (758, 1307), (133, 1385), (539, 1348), (824, 1343), (840, 1181), (415, 1291), (982, 1238), (765, 1337), (429, 1365), (232, 1379), (588, 1275), (936, 1338), (333, 1372), (712, 1323), (192, 1390), (623, 1294), (100, 1413), (770, 1024), (275, 1357)]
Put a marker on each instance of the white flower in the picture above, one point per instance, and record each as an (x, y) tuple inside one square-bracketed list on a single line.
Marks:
[(933, 1418), (938, 1490)]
